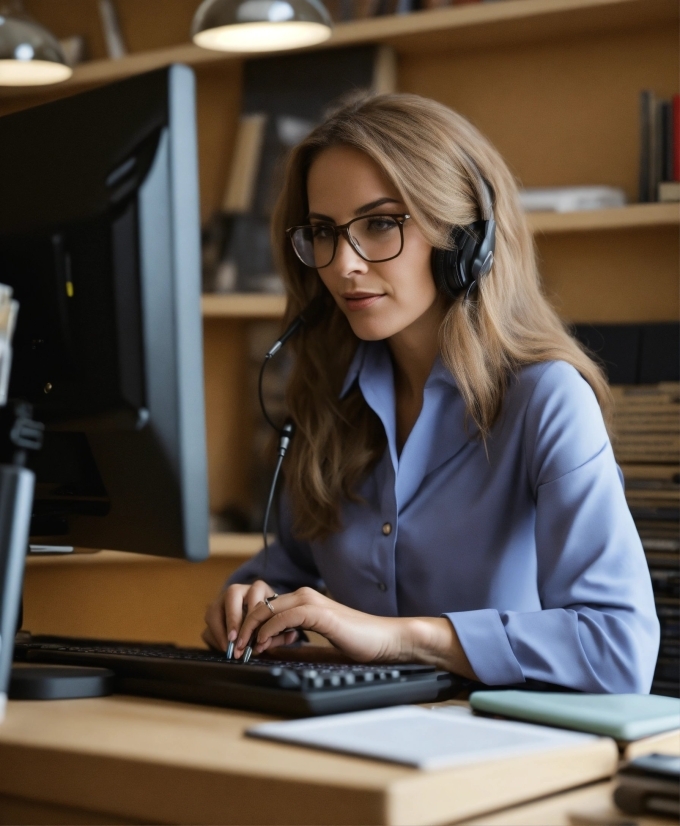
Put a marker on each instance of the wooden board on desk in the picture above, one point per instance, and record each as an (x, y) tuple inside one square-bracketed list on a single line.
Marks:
[(156, 761)]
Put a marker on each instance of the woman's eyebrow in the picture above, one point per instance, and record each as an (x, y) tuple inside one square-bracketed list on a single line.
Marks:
[(360, 211), (374, 204)]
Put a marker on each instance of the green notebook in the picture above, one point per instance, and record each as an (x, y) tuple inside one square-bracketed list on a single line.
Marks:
[(621, 716)]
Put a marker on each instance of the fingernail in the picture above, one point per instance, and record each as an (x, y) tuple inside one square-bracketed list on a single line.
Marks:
[(230, 650), (231, 636), (247, 654)]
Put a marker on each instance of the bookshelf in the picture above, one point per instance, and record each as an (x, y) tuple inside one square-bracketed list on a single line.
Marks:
[(553, 83)]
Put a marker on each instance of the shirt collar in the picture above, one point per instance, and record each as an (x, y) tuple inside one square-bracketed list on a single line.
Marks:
[(354, 369), (363, 362)]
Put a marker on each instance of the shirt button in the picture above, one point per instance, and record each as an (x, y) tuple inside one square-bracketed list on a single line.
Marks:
[(387, 529), (382, 586)]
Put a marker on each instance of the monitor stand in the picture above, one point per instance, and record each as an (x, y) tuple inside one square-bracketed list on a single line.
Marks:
[(37, 681)]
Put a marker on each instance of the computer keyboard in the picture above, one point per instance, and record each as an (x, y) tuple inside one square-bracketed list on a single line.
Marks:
[(265, 684)]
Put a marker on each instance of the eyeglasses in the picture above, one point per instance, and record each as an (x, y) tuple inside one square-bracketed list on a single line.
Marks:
[(374, 237)]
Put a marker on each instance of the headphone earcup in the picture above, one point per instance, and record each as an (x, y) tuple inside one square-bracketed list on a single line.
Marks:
[(449, 268), (444, 271), (471, 258)]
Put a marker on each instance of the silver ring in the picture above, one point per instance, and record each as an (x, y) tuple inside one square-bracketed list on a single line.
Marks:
[(275, 596), (268, 604)]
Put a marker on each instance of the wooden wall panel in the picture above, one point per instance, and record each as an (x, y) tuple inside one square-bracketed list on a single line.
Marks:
[(615, 277), (218, 103), (560, 112), (154, 601), (228, 409), (146, 24), (72, 17)]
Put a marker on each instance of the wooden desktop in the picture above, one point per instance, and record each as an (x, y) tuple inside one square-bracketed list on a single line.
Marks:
[(127, 759), (142, 760)]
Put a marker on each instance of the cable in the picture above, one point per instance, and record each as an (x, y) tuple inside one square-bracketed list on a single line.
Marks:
[(309, 316), (261, 394)]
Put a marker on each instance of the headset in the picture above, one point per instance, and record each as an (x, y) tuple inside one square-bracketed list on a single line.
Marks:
[(460, 268), (472, 248)]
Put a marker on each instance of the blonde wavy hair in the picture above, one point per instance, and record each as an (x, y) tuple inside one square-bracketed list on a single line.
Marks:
[(434, 157)]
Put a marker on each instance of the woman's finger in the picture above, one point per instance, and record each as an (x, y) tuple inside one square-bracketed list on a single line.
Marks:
[(287, 638), (256, 594), (257, 615), (237, 599), (299, 616), (261, 614)]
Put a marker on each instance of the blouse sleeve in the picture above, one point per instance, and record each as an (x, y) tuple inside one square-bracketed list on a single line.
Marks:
[(286, 565), (597, 630)]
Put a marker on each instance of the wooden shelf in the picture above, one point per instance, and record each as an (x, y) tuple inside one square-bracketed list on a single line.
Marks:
[(629, 217), (263, 306), (462, 28), (236, 544), (222, 545), (243, 305)]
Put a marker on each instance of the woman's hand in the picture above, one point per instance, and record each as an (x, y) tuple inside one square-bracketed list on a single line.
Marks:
[(225, 615), (363, 637)]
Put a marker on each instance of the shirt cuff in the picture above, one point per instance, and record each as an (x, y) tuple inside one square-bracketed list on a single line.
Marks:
[(483, 637)]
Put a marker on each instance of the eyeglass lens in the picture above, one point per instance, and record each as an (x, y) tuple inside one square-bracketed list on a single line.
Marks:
[(375, 238)]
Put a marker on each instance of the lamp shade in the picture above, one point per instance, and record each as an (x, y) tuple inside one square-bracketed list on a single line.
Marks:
[(260, 25), (30, 55)]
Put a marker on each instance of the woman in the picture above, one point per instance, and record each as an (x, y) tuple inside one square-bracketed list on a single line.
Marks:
[(451, 482)]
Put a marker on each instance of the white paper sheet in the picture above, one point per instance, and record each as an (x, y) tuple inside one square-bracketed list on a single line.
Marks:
[(423, 738)]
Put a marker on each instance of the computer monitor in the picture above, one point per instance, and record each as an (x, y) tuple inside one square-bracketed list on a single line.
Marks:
[(100, 241)]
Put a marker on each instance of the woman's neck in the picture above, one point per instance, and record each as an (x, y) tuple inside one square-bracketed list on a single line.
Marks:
[(414, 351)]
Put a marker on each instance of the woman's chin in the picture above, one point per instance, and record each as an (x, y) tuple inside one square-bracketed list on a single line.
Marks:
[(367, 331)]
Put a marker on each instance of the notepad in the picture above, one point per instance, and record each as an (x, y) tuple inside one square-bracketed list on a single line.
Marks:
[(624, 717), (425, 739)]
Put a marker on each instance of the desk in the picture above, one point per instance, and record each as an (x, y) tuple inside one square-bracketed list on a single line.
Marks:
[(123, 759)]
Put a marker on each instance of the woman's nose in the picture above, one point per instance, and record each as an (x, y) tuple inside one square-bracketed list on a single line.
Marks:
[(347, 260)]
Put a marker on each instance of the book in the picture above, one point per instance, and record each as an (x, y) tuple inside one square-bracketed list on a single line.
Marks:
[(650, 785), (669, 191), (571, 198), (676, 137), (113, 34), (621, 716), (240, 189), (74, 49), (646, 106), (666, 133), (659, 161)]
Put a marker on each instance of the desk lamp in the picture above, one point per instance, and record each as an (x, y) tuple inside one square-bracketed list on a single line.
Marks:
[(260, 25), (30, 55)]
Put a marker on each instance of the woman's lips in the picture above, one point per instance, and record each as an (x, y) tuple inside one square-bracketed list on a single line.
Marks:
[(360, 302)]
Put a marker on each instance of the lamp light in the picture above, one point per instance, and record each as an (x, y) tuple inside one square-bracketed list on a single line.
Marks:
[(260, 25), (30, 55)]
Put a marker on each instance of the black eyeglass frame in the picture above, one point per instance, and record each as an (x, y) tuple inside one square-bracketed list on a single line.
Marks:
[(343, 229)]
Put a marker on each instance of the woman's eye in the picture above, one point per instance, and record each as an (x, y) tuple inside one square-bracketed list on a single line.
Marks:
[(381, 224), (322, 232)]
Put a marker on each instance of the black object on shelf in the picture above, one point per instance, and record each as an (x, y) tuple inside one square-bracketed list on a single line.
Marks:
[(635, 353)]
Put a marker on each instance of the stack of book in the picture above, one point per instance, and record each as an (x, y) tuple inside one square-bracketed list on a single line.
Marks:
[(647, 447)]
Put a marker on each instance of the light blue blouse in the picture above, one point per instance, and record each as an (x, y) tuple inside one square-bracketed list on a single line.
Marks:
[(528, 547)]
